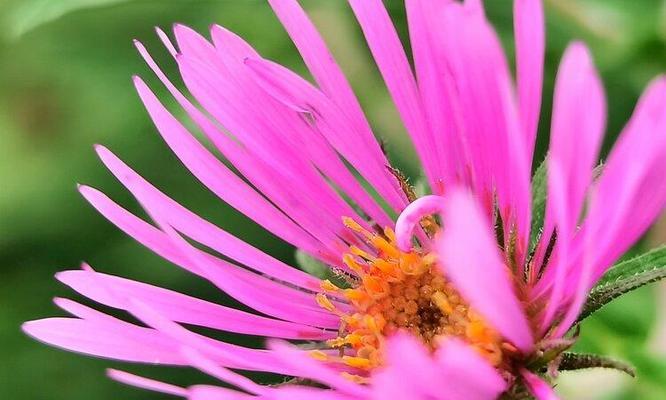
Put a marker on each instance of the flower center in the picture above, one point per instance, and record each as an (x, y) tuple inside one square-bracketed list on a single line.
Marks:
[(398, 290)]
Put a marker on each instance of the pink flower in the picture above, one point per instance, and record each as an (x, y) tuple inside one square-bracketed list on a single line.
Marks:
[(449, 301)]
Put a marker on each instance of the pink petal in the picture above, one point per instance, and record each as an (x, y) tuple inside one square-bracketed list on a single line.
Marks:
[(635, 171), (469, 257), (470, 376), (529, 27), (579, 119), (145, 383), (210, 171), (579, 107), (120, 340)]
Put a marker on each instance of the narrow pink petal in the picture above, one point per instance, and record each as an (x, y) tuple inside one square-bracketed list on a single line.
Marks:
[(529, 27), (195, 157), (470, 258), (392, 61), (255, 291), (538, 387), (280, 158), (83, 312), (514, 185), (145, 383), (182, 308), (579, 119)]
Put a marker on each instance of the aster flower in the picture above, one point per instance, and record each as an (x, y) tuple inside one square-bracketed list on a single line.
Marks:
[(473, 291)]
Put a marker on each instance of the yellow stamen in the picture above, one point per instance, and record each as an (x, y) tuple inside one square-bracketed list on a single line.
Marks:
[(357, 362), (319, 355), (324, 302)]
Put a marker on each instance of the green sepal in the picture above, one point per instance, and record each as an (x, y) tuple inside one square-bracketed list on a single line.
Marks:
[(575, 361), (539, 188), (625, 277)]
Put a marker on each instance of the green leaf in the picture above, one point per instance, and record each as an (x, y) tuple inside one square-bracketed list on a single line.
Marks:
[(576, 361), (650, 260), (30, 14), (625, 277), (539, 185)]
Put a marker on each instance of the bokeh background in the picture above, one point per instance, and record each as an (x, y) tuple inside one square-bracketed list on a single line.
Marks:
[(65, 68)]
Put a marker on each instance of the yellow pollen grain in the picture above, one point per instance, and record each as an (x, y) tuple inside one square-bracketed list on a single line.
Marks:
[(396, 291), (357, 362), (329, 286), (355, 378)]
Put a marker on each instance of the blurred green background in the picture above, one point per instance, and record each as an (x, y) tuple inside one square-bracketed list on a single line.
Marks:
[(65, 68)]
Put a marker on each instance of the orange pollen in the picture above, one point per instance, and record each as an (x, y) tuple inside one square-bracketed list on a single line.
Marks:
[(399, 290)]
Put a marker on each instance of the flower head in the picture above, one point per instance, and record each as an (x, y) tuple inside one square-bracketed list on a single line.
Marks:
[(458, 294)]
